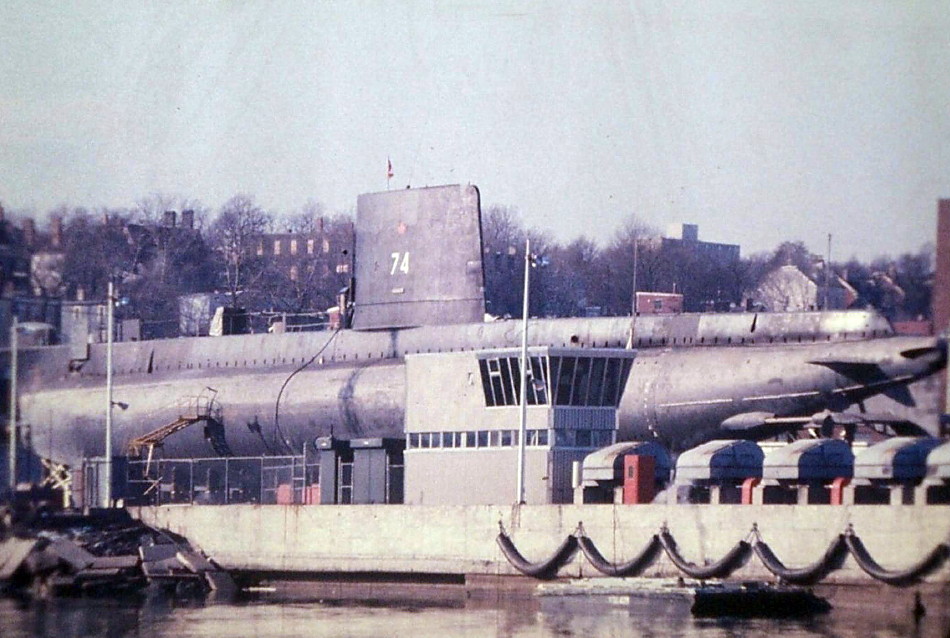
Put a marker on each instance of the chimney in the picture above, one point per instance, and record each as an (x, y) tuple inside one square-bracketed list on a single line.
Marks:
[(320, 225), (188, 219), (169, 219), (29, 232), (56, 232)]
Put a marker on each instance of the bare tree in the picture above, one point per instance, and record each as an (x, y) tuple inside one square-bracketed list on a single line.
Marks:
[(619, 262), (150, 210), (310, 218), (95, 248), (236, 235), (503, 239)]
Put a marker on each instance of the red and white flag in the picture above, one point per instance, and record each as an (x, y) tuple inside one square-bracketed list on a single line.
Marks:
[(389, 169)]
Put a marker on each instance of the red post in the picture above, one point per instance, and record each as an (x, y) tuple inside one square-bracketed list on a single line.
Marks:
[(285, 495), (312, 495), (748, 487), (837, 489), (639, 479)]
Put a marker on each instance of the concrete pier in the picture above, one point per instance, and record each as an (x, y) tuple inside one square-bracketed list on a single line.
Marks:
[(461, 539)]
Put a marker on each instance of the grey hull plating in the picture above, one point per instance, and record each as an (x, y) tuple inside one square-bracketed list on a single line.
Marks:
[(693, 371)]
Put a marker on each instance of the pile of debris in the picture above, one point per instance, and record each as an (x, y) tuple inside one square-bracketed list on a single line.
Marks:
[(104, 553)]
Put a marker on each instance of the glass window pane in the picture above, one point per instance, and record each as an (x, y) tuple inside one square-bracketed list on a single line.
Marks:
[(564, 438), (486, 383), (542, 437), (581, 382), (515, 365), (583, 438), (538, 393), (602, 438), (595, 395), (496, 386), (611, 382), (565, 380), (414, 440), (506, 438), (483, 438), (448, 440)]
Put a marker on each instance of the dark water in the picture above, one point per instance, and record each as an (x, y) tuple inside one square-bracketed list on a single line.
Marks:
[(77, 618)]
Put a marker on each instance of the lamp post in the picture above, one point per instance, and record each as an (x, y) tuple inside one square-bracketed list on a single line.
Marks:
[(13, 392), (110, 320), (522, 429)]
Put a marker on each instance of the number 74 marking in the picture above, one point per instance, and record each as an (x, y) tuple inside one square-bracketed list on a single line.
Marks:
[(400, 263)]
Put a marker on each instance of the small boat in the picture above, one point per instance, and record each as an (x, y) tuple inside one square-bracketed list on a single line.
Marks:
[(756, 599)]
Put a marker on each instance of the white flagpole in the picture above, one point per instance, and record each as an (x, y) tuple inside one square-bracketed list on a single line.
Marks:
[(523, 428)]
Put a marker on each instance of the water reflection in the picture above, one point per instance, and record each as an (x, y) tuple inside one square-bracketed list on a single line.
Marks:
[(80, 618)]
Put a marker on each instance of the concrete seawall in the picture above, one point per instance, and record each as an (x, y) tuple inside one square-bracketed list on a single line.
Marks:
[(461, 540)]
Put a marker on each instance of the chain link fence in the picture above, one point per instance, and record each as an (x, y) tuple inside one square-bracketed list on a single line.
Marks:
[(281, 480)]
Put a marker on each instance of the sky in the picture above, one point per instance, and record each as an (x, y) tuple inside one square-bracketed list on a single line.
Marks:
[(760, 121)]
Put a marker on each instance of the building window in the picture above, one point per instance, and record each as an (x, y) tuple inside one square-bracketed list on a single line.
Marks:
[(583, 438), (294, 272), (501, 381), (260, 247), (326, 246), (293, 246), (310, 243), (276, 246), (537, 438)]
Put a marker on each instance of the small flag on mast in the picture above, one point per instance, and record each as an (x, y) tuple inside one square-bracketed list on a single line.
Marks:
[(389, 169)]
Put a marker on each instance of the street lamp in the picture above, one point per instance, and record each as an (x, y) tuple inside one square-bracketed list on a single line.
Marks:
[(110, 321)]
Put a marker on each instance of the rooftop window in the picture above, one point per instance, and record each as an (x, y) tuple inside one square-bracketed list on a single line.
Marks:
[(581, 381)]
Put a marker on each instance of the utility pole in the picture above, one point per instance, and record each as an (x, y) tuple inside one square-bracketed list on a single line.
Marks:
[(636, 258), (633, 303), (13, 407), (110, 320), (827, 272), (523, 429)]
